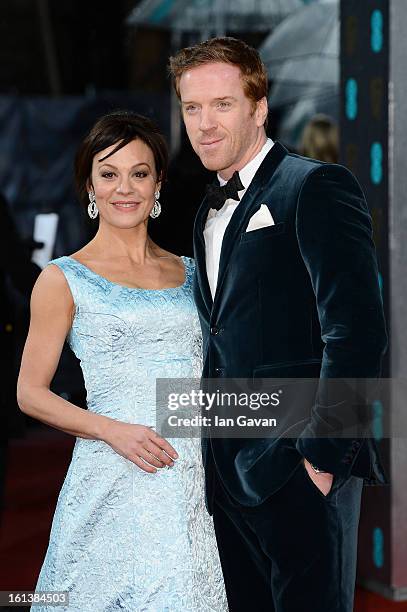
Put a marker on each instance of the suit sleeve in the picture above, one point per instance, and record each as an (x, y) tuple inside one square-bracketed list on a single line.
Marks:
[(334, 233)]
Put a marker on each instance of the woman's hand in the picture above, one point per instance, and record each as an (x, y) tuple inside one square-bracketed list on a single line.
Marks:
[(141, 445)]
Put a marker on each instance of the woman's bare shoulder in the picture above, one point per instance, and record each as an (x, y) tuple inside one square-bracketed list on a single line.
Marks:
[(51, 285)]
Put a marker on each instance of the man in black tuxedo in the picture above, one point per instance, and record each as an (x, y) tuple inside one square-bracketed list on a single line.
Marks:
[(286, 286)]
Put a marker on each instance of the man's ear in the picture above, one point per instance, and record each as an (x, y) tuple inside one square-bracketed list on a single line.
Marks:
[(262, 110)]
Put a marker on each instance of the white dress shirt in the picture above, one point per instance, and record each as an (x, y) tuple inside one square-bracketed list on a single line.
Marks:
[(217, 220)]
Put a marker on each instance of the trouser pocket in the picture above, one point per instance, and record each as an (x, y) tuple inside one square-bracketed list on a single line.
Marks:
[(337, 483)]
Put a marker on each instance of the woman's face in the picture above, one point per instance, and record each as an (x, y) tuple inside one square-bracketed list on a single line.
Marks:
[(124, 184)]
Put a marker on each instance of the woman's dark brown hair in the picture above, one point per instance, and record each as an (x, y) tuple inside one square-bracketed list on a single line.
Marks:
[(119, 127)]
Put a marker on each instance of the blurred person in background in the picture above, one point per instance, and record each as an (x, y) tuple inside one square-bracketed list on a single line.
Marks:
[(320, 139), (17, 273), (130, 529), (286, 287)]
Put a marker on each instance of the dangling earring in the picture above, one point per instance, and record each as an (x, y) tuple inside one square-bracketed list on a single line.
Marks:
[(92, 208), (156, 210)]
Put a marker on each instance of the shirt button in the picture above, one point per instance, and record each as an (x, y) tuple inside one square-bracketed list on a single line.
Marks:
[(219, 371), (214, 330)]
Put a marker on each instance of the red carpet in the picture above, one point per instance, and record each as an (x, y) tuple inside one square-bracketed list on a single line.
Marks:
[(36, 468)]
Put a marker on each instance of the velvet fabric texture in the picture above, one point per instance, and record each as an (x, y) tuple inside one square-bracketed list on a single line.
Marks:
[(295, 552), (297, 299)]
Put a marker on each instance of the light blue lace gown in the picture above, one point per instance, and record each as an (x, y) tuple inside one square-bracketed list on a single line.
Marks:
[(121, 538)]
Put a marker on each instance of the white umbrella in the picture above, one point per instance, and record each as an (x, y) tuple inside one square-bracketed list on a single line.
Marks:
[(302, 58), (204, 15)]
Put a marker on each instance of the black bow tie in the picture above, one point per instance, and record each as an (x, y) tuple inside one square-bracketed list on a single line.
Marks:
[(218, 195)]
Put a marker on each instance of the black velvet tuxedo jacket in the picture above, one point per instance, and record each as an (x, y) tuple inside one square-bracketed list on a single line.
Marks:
[(299, 298)]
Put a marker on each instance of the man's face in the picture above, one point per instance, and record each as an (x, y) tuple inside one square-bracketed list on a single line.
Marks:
[(221, 123)]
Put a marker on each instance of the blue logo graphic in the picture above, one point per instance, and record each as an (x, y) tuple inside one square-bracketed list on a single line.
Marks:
[(378, 547), (376, 163), (377, 420), (380, 281), (351, 99), (376, 31)]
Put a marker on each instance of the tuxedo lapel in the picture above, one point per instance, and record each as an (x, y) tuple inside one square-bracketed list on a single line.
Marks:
[(199, 254), (246, 207)]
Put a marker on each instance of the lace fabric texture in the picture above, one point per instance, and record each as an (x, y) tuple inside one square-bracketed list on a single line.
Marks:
[(123, 539)]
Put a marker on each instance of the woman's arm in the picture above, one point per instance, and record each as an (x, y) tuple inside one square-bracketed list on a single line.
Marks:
[(52, 310)]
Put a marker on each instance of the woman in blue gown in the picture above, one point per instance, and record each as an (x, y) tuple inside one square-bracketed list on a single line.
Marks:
[(130, 530)]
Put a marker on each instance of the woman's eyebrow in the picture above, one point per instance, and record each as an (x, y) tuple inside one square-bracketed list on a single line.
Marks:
[(115, 167)]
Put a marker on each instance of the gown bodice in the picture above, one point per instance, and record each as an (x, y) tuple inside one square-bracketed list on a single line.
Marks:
[(126, 337)]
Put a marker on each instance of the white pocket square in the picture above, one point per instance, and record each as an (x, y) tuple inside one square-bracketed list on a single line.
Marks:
[(262, 218)]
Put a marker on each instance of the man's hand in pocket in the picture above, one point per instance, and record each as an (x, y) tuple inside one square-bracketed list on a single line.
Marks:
[(321, 480)]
